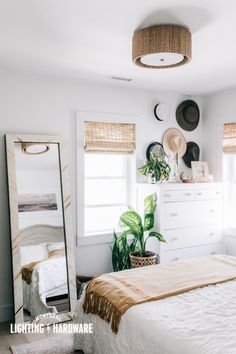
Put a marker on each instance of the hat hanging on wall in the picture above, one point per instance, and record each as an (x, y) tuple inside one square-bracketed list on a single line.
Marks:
[(192, 153), (156, 149), (174, 143), (188, 115), (161, 112)]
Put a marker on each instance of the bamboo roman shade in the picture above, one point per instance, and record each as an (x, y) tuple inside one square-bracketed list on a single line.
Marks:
[(229, 139), (109, 137)]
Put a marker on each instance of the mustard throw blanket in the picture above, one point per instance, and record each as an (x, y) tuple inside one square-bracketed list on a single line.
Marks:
[(111, 295)]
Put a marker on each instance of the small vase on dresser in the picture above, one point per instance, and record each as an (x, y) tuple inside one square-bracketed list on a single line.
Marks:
[(189, 216)]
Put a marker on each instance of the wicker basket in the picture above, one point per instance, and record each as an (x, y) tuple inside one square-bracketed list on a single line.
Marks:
[(138, 261)]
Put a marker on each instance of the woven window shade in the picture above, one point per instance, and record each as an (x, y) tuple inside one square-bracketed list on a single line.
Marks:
[(109, 137), (229, 140)]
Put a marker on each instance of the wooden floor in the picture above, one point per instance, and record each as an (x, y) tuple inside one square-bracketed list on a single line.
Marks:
[(7, 339)]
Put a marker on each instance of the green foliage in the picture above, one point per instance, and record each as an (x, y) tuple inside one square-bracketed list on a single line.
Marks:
[(134, 226), (157, 167), (150, 203), (133, 221), (120, 252), (156, 235)]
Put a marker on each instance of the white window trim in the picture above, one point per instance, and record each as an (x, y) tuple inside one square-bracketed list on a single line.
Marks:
[(228, 183), (105, 238)]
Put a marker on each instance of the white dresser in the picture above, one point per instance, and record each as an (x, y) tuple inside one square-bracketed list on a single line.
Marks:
[(189, 216)]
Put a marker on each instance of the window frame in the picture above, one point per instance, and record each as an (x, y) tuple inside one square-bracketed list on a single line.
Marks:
[(127, 160), (81, 238), (228, 169)]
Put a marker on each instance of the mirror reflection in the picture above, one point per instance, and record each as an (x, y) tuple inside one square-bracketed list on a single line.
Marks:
[(41, 225)]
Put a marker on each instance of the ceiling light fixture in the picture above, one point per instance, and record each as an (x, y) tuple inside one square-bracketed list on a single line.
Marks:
[(34, 148), (162, 46)]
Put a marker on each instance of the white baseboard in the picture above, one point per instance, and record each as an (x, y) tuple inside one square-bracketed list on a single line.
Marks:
[(6, 313)]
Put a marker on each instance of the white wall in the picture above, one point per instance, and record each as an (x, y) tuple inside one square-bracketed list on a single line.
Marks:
[(218, 109), (31, 104)]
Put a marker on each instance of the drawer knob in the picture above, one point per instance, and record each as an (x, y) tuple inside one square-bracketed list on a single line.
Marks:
[(188, 194), (167, 195), (199, 193), (211, 234), (213, 252), (173, 214), (212, 211), (175, 259)]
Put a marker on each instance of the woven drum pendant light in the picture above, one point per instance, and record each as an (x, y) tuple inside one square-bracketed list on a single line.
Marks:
[(162, 46)]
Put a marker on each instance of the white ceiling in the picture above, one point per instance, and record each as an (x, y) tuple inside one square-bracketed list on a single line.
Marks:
[(92, 39)]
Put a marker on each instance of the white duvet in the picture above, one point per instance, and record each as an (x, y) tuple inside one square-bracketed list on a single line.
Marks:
[(48, 278), (201, 321)]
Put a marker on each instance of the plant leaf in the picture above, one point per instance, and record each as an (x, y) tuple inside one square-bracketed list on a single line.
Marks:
[(148, 222), (120, 254), (150, 204), (133, 221), (157, 235)]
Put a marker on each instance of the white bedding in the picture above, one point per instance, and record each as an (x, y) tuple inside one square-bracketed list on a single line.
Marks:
[(48, 278), (201, 321)]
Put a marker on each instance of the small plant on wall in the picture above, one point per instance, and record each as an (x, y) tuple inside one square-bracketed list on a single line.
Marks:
[(129, 249), (156, 167)]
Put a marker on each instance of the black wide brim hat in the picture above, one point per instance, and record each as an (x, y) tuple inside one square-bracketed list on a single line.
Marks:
[(188, 115), (192, 153)]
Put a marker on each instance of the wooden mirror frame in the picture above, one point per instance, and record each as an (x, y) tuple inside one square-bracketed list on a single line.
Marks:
[(10, 140)]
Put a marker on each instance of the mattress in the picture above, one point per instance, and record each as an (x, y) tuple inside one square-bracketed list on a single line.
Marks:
[(202, 321)]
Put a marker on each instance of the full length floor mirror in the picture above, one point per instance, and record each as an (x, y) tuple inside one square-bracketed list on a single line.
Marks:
[(41, 230)]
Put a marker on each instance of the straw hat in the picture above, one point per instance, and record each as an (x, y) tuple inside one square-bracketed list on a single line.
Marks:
[(174, 143)]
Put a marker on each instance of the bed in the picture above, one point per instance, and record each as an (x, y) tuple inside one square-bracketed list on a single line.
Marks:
[(48, 278), (200, 321)]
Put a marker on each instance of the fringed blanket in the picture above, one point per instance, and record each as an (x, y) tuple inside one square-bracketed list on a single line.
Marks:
[(27, 270), (111, 295)]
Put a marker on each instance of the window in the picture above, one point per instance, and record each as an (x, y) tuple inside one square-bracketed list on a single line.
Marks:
[(107, 187), (229, 173), (108, 174)]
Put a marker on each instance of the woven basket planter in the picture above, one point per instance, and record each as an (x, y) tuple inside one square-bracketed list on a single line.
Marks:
[(138, 261)]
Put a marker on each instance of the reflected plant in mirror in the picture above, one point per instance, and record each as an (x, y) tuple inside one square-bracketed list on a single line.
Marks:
[(40, 219)]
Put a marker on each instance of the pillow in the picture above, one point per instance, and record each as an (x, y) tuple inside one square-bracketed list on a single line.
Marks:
[(33, 253), (55, 246)]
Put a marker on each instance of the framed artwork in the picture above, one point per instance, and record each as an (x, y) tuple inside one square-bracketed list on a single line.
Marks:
[(37, 202), (200, 171)]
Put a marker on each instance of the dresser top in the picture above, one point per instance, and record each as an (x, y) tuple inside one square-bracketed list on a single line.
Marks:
[(181, 186)]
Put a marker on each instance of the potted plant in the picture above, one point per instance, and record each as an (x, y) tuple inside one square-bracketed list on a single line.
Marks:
[(132, 253), (156, 167), (121, 250)]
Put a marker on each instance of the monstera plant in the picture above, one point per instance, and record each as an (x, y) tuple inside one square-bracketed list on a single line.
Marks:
[(129, 248)]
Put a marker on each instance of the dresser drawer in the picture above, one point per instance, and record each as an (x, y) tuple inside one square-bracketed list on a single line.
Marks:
[(177, 196), (189, 237), (207, 194), (169, 196), (191, 252), (189, 214)]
